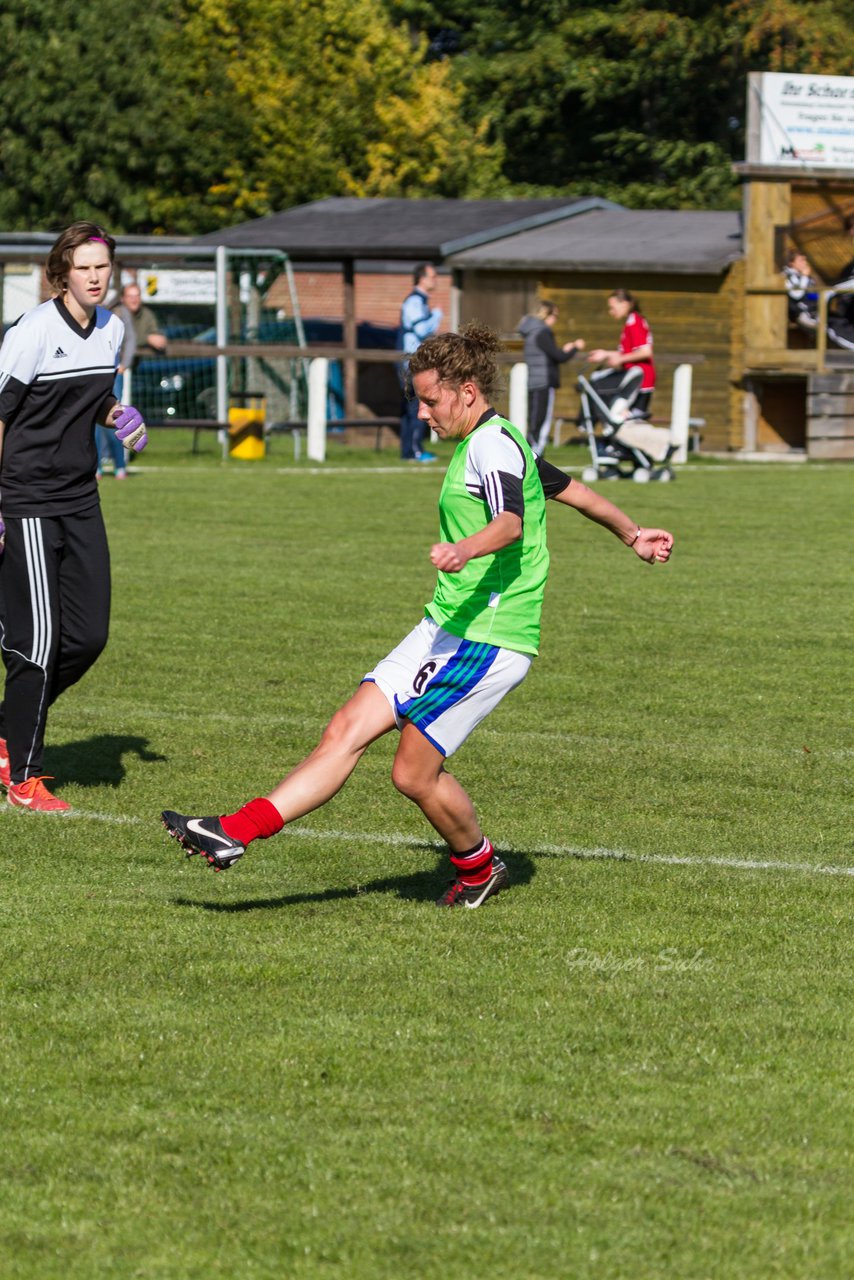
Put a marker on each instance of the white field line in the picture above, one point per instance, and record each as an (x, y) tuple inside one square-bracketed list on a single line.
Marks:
[(584, 854), (324, 470), (112, 819), (549, 850), (330, 469)]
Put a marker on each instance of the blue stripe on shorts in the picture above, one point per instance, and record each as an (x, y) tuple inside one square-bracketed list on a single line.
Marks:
[(451, 684)]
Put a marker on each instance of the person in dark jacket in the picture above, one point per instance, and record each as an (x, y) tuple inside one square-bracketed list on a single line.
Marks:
[(543, 357)]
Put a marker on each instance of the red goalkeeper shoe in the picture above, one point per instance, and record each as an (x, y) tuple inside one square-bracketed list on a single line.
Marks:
[(34, 795)]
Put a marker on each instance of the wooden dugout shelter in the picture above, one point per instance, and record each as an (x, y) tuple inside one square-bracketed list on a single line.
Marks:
[(685, 267), (359, 235), (710, 284), (798, 193), (502, 255), (798, 393)]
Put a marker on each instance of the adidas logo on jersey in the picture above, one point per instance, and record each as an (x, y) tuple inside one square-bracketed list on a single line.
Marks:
[(58, 352)]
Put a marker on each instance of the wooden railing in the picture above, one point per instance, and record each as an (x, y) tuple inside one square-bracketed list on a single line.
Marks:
[(806, 358)]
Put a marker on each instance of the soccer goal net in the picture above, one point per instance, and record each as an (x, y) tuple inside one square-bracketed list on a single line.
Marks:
[(223, 314)]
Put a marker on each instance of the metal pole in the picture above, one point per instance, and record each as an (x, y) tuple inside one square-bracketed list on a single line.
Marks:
[(222, 341), (350, 340), (456, 300), (255, 383), (300, 328)]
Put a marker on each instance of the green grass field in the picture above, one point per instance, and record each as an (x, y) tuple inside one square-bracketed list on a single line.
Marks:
[(636, 1064)]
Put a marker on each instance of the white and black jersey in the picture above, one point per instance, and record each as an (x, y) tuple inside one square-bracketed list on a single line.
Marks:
[(56, 381), (495, 469)]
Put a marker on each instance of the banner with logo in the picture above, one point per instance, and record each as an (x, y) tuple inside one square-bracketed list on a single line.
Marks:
[(806, 122)]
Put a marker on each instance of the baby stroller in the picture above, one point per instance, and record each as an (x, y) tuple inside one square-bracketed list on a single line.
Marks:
[(612, 458)]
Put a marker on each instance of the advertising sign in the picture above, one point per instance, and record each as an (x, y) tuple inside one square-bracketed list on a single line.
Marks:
[(171, 285), (806, 122)]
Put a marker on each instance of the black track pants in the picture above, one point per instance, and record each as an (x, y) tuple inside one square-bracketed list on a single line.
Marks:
[(54, 619), (540, 405)]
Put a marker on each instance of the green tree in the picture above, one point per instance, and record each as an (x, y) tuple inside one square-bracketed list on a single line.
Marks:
[(339, 101), (202, 113), (95, 116), (631, 100), (422, 147)]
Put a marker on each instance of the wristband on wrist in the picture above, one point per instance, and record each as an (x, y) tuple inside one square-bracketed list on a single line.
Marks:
[(635, 538)]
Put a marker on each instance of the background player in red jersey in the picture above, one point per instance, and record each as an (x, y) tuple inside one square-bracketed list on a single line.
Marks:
[(629, 376), (629, 372)]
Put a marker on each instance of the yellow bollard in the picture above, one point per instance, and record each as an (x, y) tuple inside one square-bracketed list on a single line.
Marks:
[(246, 429)]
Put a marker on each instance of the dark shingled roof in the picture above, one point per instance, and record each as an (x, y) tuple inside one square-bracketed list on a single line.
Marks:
[(395, 229), (681, 242)]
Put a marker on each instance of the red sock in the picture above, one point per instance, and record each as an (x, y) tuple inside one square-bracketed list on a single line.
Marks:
[(474, 865), (257, 819)]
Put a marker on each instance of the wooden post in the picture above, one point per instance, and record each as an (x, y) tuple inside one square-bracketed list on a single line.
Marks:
[(456, 300), (680, 411), (318, 386), (350, 340), (519, 396), (821, 332), (768, 205)]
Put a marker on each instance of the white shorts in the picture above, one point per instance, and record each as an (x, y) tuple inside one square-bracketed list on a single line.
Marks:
[(444, 685)]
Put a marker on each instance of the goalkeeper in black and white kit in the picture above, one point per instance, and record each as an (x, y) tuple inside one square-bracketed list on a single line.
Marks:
[(57, 368)]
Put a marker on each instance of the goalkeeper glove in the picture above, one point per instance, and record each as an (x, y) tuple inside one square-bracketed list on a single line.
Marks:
[(130, 428)]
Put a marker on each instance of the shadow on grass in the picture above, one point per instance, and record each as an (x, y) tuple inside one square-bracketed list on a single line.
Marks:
[(97, 762), (420, 886)]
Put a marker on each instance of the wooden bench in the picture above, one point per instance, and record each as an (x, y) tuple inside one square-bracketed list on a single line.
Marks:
[(344, 424), (197, 425), (695, 430), (295, 428)]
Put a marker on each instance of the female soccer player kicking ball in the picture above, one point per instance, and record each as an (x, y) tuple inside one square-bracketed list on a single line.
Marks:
[(476, 643)]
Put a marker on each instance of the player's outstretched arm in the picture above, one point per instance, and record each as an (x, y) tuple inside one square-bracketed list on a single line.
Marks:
[(652, 545)]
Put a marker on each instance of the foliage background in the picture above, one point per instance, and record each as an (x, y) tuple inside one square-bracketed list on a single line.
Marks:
[(184, 117)]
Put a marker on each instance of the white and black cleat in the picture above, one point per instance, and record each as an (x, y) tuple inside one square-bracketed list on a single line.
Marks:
[(472, 896), (203, 836)]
